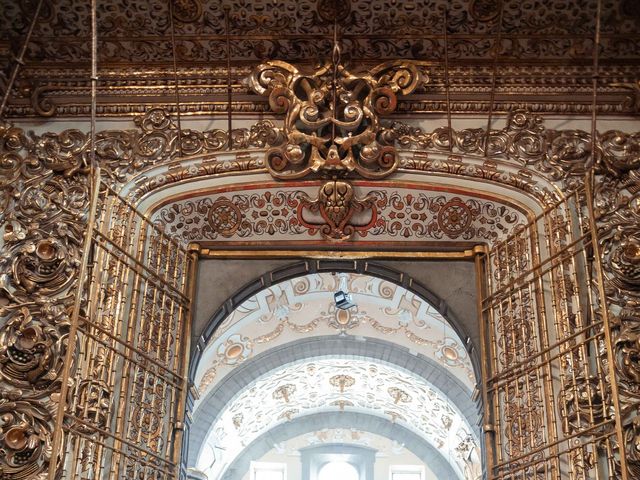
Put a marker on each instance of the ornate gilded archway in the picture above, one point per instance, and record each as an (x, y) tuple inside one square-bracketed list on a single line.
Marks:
[(43, 258), (101, 233)]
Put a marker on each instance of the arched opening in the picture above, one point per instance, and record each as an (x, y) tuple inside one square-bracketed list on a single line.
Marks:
[(286, 368), (337, 469)]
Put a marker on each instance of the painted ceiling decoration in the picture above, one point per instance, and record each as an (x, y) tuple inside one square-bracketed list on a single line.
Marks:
[(304, 307), (321, 385), (383, 445), (388, 437), (284, 213), (543, 52)]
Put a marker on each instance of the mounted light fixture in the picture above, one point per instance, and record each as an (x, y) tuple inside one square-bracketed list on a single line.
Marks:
[(343, 299)]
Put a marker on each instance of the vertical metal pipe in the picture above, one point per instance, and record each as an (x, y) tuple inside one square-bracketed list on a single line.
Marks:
[(603, 304), (590, 184), (20, 59), (193, 255), (446, 77), (335, 59), (227, 32), (175, 76), (594, 83), (94, 80), (488, 427), (94, 184), (493, 80), (58, 433)]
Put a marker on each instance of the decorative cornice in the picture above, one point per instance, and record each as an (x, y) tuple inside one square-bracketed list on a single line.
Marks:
[(144, 153), (544, 56), (130, 91)]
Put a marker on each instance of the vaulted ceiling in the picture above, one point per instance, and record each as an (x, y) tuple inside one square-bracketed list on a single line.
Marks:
[(537, 54), (285, 361)]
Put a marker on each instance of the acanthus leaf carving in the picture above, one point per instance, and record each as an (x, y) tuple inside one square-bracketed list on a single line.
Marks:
[(32, 348), (25, 439), (44, 200)]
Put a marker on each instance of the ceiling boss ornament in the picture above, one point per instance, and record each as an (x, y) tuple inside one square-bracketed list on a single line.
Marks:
[(332, 129)]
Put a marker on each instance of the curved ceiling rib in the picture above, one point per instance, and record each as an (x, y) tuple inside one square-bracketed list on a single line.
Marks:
[(288, 353), (304, 307), (317, 424), (333, 385)]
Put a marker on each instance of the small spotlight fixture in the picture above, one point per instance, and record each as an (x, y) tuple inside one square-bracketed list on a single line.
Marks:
[(343, 299)]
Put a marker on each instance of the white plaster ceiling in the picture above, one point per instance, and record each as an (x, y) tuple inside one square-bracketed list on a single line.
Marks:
[(304, 307), (328, 384), (388, 451)]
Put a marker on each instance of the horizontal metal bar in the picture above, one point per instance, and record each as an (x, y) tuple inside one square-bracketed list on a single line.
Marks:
[(140, 268), (178, 386), (106, 433), (582, 433), (332, 254), (514, 370)]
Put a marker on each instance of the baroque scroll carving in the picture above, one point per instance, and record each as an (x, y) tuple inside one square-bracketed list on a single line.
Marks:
[(43, 213), (332, 129), (617, 199), (299, 32)]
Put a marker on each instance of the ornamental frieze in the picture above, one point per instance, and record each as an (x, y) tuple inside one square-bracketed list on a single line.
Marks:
[(524, 144), (545, 52), (283, 214), (44, 200)]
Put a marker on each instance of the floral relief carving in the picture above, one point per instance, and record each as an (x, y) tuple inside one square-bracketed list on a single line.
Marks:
[(26, 437), (390, 214), (43, 213), (300, 32), (32, 348)]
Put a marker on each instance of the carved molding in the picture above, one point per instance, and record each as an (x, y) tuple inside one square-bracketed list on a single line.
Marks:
[(388, 214), (559, 89), (44, 201), (545, 51)]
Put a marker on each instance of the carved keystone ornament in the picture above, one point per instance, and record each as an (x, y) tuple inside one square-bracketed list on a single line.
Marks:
[(332, 129)]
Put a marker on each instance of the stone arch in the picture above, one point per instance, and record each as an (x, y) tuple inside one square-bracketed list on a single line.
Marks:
[(368, 423), (229, 387), (331, 347), (300, 269)]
